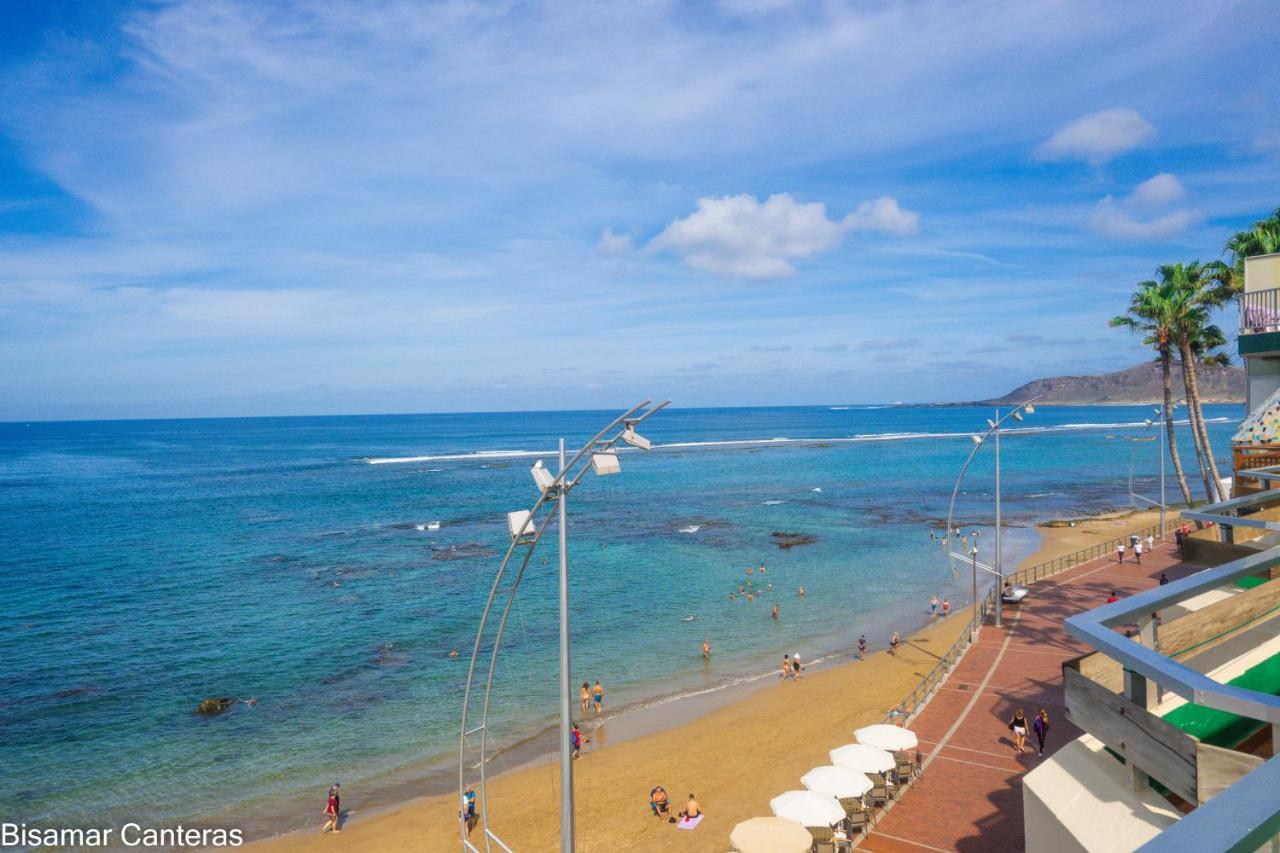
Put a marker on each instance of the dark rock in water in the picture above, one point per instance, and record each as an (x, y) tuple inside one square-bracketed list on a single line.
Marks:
[(791, 540), (469, 551), (214, 707)]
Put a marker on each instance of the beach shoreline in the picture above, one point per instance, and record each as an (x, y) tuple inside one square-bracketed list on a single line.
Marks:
[(685, 737)]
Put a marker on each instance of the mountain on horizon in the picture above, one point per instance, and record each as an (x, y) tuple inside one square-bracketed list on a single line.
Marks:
[(1138, 384)]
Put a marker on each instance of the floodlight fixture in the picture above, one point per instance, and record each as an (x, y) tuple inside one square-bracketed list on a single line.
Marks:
[(542, 476), (635, 439), (518, 523), (605, 464)]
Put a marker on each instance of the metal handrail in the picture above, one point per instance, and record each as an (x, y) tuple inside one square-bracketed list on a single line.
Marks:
[(1260, 311)]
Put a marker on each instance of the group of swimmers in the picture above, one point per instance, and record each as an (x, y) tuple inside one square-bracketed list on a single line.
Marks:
[(592, 696), (748, 589)]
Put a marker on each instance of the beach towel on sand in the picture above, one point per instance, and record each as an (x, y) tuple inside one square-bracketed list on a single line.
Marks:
[(688, 823)]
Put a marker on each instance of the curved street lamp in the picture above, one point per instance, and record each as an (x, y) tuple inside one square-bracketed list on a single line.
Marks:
[(526, 529), (993, 428)]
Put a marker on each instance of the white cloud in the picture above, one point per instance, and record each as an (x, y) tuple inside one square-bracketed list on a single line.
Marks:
[(1098, 137), (614, 244), (1110, 219), (1157, 191), (883, 215), (740, 237), (1134, 216)]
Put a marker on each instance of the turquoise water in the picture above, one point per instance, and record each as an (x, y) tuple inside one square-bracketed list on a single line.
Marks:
[(151, 564)]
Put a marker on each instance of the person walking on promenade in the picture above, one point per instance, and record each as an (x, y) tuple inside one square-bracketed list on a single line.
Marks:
[(1041, 727), (933, 605), (332, 809), (1151, 543), (1018, 725), (1137, 552), (1119, 552), (862, 647), (586, 697), (597, 693)]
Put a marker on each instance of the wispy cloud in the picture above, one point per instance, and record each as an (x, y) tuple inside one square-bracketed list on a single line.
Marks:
[(1098, 137)]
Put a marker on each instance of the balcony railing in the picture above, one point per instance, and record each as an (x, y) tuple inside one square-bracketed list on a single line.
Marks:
[(1260, 311)]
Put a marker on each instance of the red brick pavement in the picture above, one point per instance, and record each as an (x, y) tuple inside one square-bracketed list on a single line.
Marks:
[(969, 797)]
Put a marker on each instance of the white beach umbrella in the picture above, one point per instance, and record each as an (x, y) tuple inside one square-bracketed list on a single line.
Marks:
[(862, 758), (770, 835), (887, 737), (808, 807), (839, 782)]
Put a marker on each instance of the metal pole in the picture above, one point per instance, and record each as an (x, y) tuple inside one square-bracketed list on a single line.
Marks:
[(566, 726), (999, 550), (975, 587)]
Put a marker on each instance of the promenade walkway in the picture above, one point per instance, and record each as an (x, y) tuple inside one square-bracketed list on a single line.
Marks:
[(970, 795)]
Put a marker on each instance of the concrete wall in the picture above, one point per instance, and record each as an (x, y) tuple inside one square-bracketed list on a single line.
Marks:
[(1262, 272)]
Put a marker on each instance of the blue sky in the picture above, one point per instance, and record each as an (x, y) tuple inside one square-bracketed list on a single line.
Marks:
[(238, 208)]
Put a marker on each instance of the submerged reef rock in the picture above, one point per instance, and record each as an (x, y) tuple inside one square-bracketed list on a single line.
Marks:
[(791, 540), (214, 707)]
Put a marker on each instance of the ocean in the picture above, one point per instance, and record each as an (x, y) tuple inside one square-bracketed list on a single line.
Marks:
[(148, 565)]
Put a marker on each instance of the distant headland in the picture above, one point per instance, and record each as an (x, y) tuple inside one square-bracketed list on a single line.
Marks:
[(1134, 385)]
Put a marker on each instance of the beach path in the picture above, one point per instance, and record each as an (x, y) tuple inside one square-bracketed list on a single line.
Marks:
[(970, 795)]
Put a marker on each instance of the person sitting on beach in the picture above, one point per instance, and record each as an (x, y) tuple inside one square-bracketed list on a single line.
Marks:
[(659, 803), (691, 809)]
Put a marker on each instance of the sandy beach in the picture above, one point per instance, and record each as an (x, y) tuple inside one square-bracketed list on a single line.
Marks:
[(735, 758)]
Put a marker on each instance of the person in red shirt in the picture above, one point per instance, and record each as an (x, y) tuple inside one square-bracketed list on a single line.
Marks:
[(1112, 598), (332, 810)]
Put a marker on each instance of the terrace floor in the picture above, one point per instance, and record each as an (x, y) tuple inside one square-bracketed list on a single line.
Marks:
[(969, 797)]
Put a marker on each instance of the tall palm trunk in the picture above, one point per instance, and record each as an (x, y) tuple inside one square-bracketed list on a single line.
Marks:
[(1166, 375), (1193, 393), (1210, 492), (1195, 420)]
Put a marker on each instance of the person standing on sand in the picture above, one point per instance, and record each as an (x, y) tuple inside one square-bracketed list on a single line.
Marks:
[(575, 741), (862, 647), (933, 605), (1018, 725), (332, 809), (946, 606), (706, 650), (1041, 727), (775, 613), (586, 697), (893, 643)]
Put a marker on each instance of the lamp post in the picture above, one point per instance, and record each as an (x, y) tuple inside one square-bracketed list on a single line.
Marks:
[(993, 428), (527, 528)]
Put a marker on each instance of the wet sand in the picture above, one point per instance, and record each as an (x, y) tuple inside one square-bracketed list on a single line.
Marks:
[(735, 758)]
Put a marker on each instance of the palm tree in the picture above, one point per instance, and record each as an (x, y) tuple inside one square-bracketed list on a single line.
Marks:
[(1263, 238), (1196, 291), (1149, 313)]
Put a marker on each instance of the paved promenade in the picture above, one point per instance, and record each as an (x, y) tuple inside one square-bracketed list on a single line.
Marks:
[(970, 795)]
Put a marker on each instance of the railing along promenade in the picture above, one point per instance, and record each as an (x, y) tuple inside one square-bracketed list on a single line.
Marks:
[(915, 701)]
